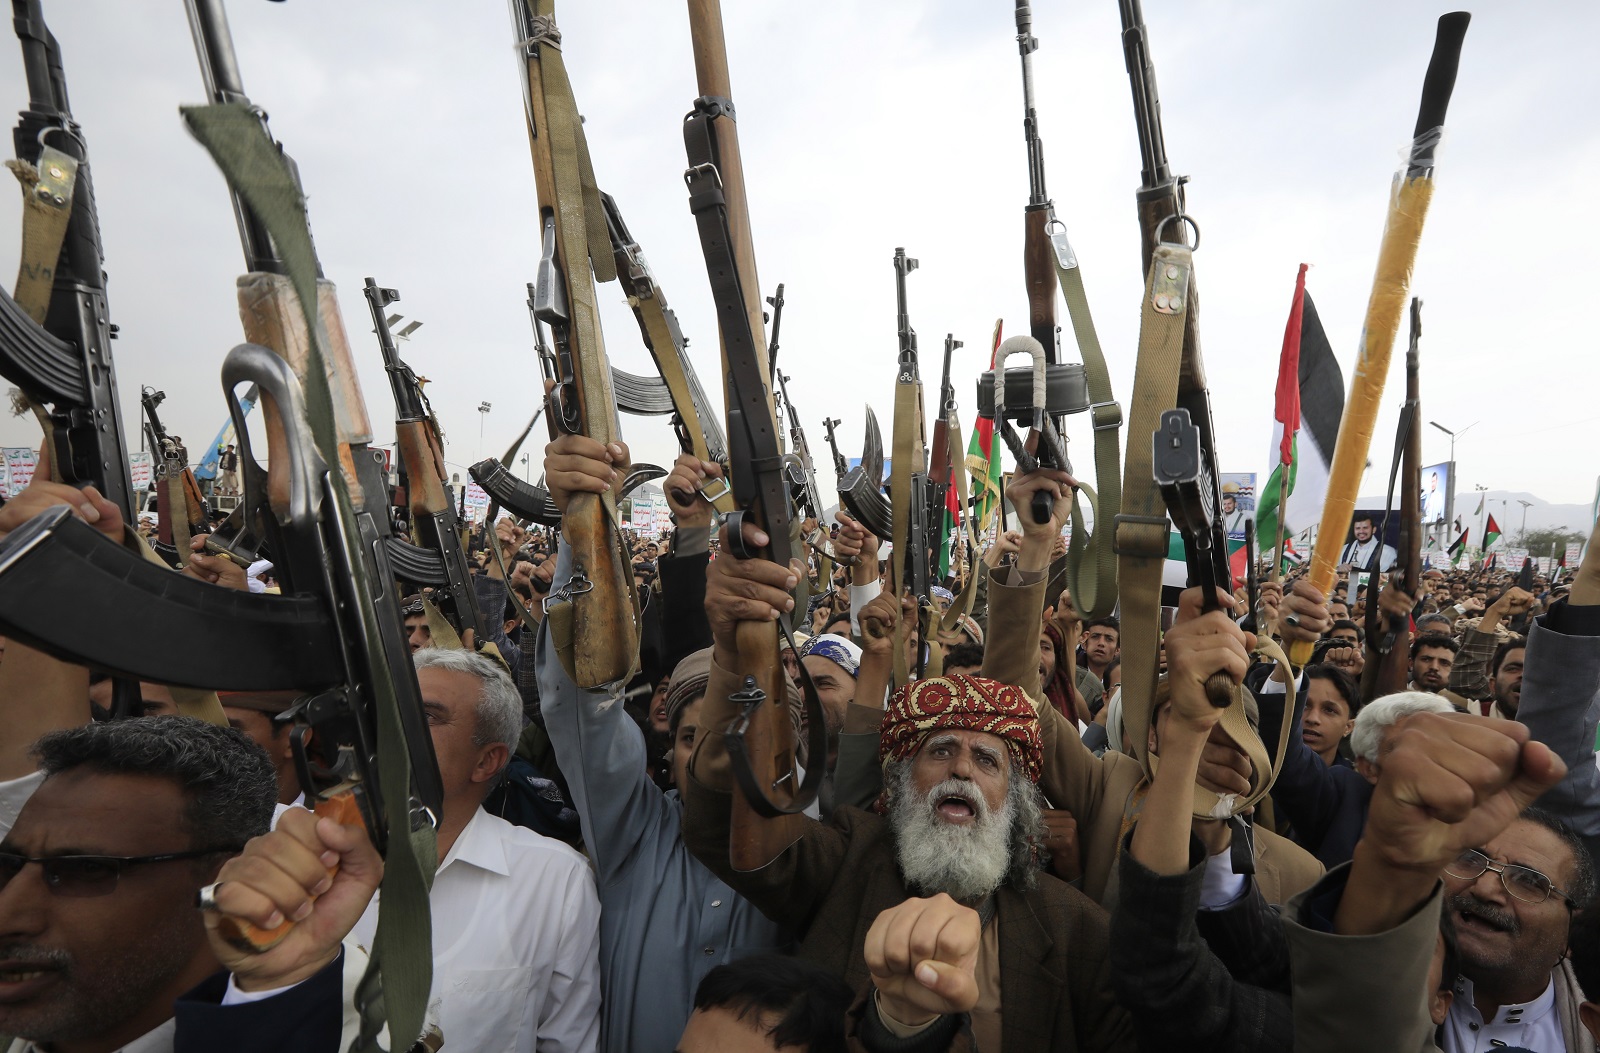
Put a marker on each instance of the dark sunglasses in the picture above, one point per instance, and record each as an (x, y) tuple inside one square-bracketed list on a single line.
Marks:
[(90, 875)]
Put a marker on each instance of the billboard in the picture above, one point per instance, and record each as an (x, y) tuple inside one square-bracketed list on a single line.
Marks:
[(1438, 493), (1238, 501)]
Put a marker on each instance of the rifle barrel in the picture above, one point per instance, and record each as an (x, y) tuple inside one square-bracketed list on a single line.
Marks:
[(1146, 99), (219, 70)]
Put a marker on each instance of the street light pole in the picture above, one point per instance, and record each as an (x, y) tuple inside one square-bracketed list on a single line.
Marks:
[(1525, 506), (483, 415), (1450, 500)]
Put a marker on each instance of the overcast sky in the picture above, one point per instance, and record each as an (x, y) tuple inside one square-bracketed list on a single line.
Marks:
[(865, 126)]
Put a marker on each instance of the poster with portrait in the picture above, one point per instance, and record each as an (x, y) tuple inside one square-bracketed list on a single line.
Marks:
[(1238, 501), (1437, 493)]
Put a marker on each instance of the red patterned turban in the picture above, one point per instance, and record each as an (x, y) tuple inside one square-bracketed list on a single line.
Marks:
[(962, 703)]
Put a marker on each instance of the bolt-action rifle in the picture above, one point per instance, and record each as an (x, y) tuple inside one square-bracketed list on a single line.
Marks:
[(766, 815), (1387, 668), (421, 448), (593, 613), (1048, 262)]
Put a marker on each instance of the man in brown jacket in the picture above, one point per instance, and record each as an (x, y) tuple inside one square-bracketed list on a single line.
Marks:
[(1102, 793), (961, 756)]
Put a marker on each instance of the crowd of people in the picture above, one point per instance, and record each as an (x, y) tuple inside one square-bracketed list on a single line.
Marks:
[(1006, 853)]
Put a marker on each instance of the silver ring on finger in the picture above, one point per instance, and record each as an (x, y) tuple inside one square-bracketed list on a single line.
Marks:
[(206, 898), (1292, 620)]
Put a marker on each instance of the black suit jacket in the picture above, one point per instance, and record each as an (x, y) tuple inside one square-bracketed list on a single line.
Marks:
[(307, 1018)]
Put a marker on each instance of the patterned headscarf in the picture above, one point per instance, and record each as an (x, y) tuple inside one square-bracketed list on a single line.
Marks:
[(836, 649), (963, 703)]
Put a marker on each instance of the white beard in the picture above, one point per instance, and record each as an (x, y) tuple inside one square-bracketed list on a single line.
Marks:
[(965, 862)]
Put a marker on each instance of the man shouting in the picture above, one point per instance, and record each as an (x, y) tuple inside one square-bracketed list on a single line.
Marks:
[(961, 757)]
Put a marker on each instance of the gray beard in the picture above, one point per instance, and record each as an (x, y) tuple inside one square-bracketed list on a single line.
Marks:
[(965, 862)]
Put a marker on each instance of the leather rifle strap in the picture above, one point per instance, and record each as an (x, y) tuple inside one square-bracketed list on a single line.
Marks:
[(669, 363), (903, 448)]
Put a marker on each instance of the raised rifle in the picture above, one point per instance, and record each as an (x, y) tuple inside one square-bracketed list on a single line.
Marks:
[(55, 336), (694, 421), (1387, 667), (524, 500), (1048, 262), (334, 633), (767, 811), (840, 465), (594, 613), (943, 426), (802, 473), (432, 512), (180, 510), (1176, 474), (910, 487)]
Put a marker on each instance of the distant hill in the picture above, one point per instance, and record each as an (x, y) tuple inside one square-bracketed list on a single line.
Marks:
[(1502, 504)]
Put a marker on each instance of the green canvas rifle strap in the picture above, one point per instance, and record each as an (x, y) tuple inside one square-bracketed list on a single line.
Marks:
[(46, 212), (1092, 558), (1142, 530), (1143, 536), (395, 987)]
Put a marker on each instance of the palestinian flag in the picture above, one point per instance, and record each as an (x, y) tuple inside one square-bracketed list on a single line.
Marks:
[(952, 523), (1309, 403), (1458, 546), (1491, 533), (1175, 572), (983, 460)]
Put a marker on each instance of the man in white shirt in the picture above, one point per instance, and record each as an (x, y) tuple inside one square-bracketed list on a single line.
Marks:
[(1357, 554), (1512, 901), (516, 920)]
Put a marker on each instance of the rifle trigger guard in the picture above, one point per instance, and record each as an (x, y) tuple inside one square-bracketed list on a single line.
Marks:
[(1181, 217)]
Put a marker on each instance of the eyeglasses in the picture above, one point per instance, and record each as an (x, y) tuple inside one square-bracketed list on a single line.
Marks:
[(1524, 883), (83, 876)]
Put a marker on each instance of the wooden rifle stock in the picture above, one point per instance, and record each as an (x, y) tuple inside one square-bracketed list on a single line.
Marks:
[(604, 620), (1039, 273), (754, 839)]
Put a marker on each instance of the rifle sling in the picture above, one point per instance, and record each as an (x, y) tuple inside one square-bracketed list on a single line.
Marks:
[(1092, 558), (680, 382), (1142, 534), (46, 212), (394, 989)]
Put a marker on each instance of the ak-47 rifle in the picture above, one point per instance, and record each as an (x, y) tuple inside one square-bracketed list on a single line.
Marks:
[(181, 511), (802, 472), (1387, 668), (910, 487), (1049, 261), (432, 511), (525, 501), (594, 612), (334, 633), (766, 815), (55, 336), (694, 421), (939, 458), (840, 465)]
